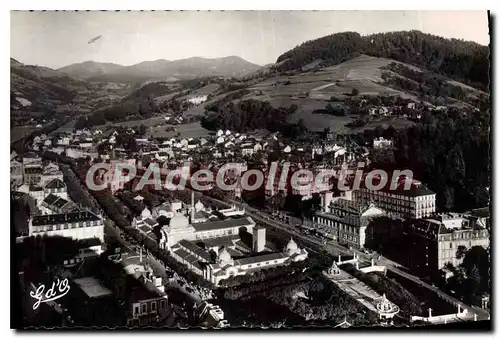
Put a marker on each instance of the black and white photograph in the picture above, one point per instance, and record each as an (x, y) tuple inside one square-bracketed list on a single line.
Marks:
[(252, 169)]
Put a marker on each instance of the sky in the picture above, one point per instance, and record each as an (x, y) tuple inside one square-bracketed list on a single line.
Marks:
[(57, 39)]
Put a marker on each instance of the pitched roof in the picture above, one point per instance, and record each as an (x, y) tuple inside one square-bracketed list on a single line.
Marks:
[(50, 199), (200, 252), (59, 204), (260, 258), (92, 287), (55, 184), (221, 241)]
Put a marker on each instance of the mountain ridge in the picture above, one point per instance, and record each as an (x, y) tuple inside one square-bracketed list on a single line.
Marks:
[(161, 69)]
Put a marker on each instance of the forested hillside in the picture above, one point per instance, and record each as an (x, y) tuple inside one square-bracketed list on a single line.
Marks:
[(248, 115), (464, 61), (450, 152)]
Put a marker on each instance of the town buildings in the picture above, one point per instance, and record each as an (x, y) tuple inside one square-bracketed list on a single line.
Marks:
[(415, 202), (345, 220), (433, 242), (225, 266), (114, 177), (38, 179), (196, 100), (77, 225), (54, 204), (215, 244), (16, 173), (142, 292), (382, 143), (210, 315)]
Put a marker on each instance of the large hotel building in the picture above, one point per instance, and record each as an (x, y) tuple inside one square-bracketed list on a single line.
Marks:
[(416, 202)]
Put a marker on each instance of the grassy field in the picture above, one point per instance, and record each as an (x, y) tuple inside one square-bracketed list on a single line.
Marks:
[(312, 90), (66, 128), (205, 90), (192, 130), (166, 97)]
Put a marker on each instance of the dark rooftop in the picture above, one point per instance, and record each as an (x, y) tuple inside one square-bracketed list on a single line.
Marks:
[(60, 202), (150, 222), (30, 155), (200, 252), (221, 241), (62, 205), (416, 188), (222, 224), (33, 170), (234, 253), (145, 228), (480, 212), (53, 219), (50, 199), (428, 227)]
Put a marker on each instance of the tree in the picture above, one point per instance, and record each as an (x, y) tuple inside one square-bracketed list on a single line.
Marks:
[(292, 109), (474, 280), (449, 266), (461, 251), (477, 257), (354, 92)]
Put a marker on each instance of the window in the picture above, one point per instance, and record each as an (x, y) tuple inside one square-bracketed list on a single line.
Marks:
[(136, 310), (258, 264), (163, 303), (451, 245), (230, 232), (153, 306), (276, 261), (144, 308)]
